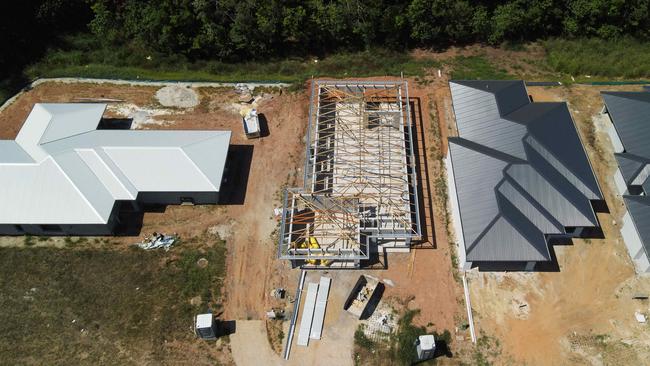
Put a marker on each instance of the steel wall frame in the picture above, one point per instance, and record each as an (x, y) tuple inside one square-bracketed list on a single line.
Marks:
[(407, 168)]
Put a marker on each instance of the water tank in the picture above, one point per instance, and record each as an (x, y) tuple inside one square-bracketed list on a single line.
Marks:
[(205, 327), (425, 346)]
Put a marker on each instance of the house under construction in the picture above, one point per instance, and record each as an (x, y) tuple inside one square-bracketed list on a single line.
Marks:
[(360, 187)]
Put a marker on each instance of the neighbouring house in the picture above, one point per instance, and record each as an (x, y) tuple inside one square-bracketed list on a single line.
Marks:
[(629, 132), (62, 175), (518, 177)]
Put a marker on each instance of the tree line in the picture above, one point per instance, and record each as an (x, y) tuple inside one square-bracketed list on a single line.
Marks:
[(238, 30), (242, 29)]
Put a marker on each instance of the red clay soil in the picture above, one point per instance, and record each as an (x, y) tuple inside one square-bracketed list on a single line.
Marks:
[(248, 225)]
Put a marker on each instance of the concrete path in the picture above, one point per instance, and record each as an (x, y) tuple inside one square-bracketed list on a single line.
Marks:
[(250, 347)]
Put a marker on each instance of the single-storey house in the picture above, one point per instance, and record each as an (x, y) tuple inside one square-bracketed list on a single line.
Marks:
[(629, 132), (518, 176), (62, 175)]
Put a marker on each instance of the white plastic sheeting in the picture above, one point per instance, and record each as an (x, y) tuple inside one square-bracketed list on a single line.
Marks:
[(319, 310), (307, 315)]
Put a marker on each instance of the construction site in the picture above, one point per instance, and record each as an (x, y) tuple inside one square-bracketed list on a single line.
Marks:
[(329, 243), (360, 194), (358, 151)]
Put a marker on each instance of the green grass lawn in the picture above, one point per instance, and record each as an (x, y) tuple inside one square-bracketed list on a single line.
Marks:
[(69, 306)]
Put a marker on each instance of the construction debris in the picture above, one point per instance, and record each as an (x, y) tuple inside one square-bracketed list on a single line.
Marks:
[(251, 123), (362, 295), (275, 314), (157, 240), (177, 96), (640, 317), (382, 323), (278, 293)]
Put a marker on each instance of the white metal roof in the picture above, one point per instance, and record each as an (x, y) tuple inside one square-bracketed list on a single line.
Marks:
[(62, 170)]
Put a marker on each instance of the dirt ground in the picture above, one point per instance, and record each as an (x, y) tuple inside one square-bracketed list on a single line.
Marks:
[(264, 167), (583, 314), (247, 224)]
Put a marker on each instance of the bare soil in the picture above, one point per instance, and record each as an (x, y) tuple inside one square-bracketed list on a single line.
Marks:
[(265, 166)]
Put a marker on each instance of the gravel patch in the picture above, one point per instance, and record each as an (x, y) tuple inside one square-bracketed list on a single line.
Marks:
[(177, 96)]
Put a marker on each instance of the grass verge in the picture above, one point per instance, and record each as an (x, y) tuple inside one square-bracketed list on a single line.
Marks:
[(623, 58), (63, 306), (476, 67), (82, 56)]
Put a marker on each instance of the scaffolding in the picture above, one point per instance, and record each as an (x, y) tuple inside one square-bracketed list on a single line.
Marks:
[(360, 183)]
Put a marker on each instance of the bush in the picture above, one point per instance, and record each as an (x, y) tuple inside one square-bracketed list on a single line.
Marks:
[(81, 56), (361, 340)]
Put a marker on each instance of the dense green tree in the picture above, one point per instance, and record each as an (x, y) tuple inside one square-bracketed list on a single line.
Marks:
[(607, 18), (441, 22), (236, 30), (29, 27)]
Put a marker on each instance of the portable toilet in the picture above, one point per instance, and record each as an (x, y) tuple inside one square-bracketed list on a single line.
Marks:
[(205, 327), (425, 346)]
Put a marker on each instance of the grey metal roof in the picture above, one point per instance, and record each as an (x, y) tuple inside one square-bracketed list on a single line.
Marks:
[(646, 185), (520, 170), (479, 119), (510, 95), (630, 165), (639, 209), (62, 170), (630, 115)]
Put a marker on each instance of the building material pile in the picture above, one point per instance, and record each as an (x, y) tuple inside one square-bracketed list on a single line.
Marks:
[(157, 240)]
